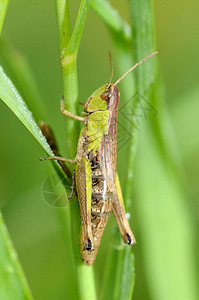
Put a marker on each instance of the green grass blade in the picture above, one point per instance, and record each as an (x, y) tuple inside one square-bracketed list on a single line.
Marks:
[(3, 9), (164, 221), (126, 275), (112, 18), (145, 75), (143, 42), (75, 39), (13, 284), (23, 78), (120, 268), (13, 100)]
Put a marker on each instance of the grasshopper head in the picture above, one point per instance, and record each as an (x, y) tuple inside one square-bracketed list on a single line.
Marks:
[(104, 98)]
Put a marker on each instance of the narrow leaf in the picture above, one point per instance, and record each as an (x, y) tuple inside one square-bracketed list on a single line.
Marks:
[(165, 224), (75, 39), (23, 79), (112, 18), (13, 284), (11, 97), (120, 268)]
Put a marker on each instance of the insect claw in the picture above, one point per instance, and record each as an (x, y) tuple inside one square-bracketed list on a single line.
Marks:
[(128, 239), (70, 196), (89, 245)]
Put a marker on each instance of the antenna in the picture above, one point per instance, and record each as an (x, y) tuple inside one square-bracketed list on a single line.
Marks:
[(111, 65), (137, 64)]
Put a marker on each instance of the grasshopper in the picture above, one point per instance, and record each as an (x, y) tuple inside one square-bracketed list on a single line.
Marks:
[(97, 182)]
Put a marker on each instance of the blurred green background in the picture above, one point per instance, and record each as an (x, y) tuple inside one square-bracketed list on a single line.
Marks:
[(34, 225)]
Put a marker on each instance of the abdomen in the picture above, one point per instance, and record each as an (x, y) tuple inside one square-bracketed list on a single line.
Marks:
[(101, 206)]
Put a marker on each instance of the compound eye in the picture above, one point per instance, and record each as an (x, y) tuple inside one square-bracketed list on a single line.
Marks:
[(105, 95)]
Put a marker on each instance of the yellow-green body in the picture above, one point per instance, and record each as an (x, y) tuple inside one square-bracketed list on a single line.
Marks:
[(97, 184)]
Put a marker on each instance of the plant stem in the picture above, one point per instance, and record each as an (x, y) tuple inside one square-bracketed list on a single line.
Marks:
[(69, 45), (63, 19), (86, 282), (69, 73)]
